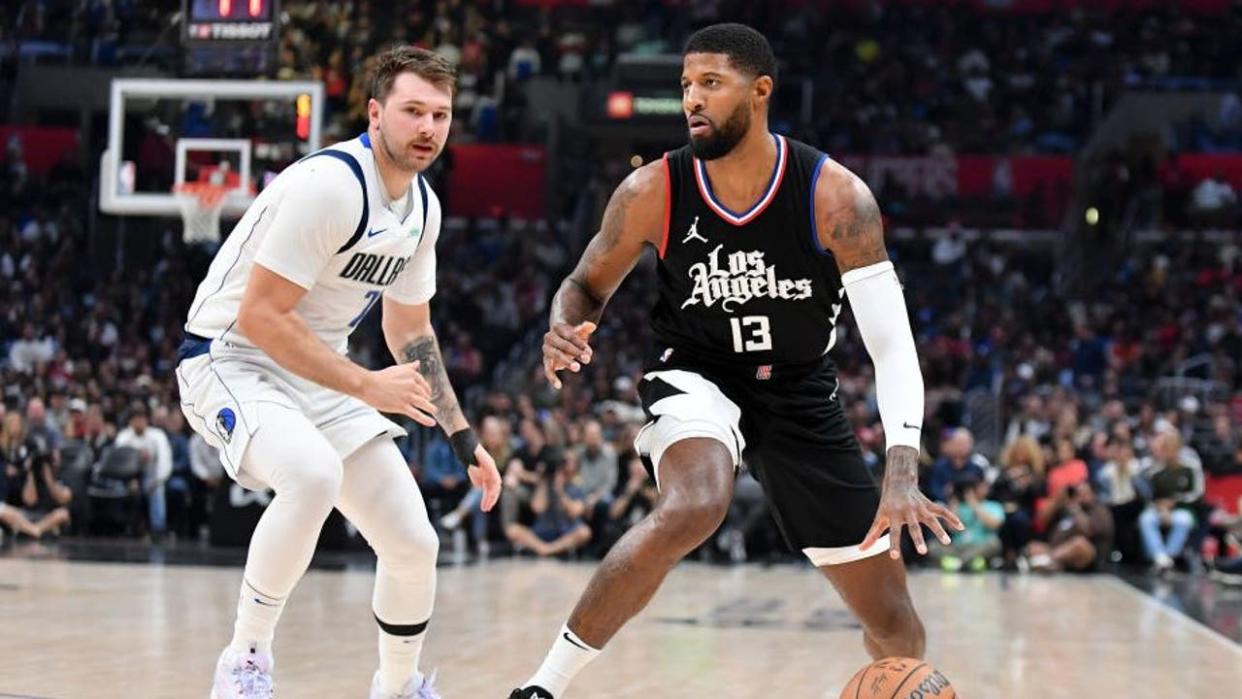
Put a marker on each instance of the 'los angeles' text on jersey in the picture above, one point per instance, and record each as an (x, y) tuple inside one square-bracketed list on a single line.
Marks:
[(751, 287), (741, 277)]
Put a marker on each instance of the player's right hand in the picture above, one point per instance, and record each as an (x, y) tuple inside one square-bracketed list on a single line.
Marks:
[(401, 389), (566, 347)]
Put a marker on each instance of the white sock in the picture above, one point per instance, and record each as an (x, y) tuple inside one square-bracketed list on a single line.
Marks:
[(568, 655), (257, 615), (398, 657), (294, 459)]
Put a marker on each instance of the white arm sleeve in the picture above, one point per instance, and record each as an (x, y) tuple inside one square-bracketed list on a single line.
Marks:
[(317, 214), (880, 313), (417, 282)]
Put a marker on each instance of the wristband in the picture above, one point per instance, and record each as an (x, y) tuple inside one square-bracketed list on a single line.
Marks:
[(464, 443)]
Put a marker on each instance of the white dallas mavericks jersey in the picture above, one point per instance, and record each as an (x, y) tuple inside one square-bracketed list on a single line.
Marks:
[(323, 225)]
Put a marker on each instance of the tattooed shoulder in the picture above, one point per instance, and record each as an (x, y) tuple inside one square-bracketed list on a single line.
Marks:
[(848, 219), (636, 206)]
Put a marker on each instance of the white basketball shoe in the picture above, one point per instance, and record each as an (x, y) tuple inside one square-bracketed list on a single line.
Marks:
[(418, 687), (243, 676)]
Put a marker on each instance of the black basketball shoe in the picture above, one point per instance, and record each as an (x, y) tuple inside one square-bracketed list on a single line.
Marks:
[(532, 692)]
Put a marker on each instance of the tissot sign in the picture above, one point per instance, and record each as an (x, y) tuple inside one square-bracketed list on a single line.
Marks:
[(226, 21)]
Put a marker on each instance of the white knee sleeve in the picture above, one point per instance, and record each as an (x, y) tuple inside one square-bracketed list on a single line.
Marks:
[(288, 454), (291, 457), (379, 495)]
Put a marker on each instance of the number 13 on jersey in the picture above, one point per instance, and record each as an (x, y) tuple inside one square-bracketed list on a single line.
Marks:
[(751, 334)]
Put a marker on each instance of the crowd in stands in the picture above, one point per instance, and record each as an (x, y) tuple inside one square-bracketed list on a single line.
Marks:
[(1214, 132), (1138, 189), (1092, 457), (1050, 427), (890, 78)]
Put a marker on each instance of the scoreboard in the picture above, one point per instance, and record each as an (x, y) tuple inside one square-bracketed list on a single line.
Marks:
[(230, 20), (229, 37)]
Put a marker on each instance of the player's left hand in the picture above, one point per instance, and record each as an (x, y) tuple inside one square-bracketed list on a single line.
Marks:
[(906, 506), (483, 474), (566, 347)]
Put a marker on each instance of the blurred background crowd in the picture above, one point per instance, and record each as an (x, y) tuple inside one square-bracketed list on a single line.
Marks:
[(1083, 381)]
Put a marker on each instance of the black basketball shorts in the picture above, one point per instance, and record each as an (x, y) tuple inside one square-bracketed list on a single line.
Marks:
[(787, 425)]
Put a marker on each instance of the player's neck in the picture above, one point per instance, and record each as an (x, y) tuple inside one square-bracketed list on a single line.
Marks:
[(747, 168), (396, 181)]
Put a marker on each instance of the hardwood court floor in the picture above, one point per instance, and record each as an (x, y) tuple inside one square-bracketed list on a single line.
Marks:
[(96, 631)]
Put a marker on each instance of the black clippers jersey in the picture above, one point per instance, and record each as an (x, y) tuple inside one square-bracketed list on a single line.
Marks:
[(752, 287)]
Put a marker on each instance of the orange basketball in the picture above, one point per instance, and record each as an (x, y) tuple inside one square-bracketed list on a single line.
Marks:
[(898, 678)]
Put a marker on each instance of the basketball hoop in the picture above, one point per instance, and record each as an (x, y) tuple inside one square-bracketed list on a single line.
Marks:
[(201, 200), (200, 204)]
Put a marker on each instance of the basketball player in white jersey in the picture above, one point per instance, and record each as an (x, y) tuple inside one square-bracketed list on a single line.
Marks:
[(264, 375)]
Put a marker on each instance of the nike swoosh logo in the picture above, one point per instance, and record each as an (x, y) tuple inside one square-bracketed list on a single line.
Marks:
[(567, 638), (265, 604), (372, 234), (908, 426)]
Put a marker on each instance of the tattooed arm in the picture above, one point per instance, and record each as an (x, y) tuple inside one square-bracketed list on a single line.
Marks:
[(412, 341), (848, 224), (634, 218), (847, 219), (410, 338)]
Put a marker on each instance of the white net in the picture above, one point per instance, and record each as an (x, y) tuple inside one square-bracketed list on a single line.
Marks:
[(200, 212)]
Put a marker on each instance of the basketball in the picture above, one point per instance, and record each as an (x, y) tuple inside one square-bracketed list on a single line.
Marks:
[(898, 678)]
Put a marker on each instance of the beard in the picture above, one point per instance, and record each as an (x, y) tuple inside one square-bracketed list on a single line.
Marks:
[(721, 140), (399, 154)]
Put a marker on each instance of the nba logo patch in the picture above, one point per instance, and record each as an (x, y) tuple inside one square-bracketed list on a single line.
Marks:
[(226, 420), (763, 373)]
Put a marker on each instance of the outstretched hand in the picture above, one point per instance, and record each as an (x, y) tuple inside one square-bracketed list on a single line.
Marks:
[(906, 506), (566, 347)]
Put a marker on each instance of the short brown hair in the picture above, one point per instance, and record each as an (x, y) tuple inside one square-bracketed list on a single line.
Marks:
[(428, 65)]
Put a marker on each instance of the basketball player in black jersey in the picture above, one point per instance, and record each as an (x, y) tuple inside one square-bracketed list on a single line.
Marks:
[(760, 239)]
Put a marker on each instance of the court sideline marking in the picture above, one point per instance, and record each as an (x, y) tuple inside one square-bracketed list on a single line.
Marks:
[(1197, 626)]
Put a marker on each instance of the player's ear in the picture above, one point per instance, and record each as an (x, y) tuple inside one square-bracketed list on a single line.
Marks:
[(762, 88), (373, 110)]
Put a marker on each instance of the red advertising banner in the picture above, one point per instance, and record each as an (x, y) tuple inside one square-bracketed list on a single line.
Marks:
[(1024, 175), (41, 146), (966, 176), (933, 177), (1031, 6), (1200, 166), (490, 180)]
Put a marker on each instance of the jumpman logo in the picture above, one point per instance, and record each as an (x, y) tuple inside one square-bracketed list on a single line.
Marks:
[(693, 233)]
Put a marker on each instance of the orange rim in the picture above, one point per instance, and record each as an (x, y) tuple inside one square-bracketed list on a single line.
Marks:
[(209, 195)]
